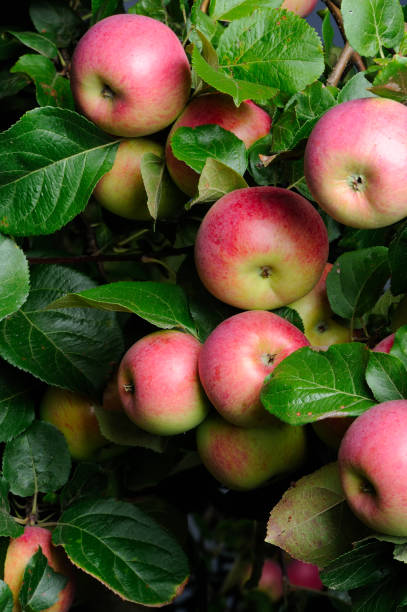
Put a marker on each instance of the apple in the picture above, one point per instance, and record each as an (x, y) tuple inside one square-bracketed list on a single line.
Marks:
[(320, 327), (399, 317), (300, 7), (271, 579), (130, 75), (385, 345), (332, 429), (355, 161), (19, 552), (261, 248), (74, 415), (373, 467), (243, 458), (158, 383), (237, 356), (248, 122), (303, 574), (122, 191)]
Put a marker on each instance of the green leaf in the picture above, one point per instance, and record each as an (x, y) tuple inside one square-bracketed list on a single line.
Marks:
[(195, 145), (398, 261), (51, 160), (149, 566), (119, 429), (88, 480), (104, 8), (312, 521), (37, 460), (215, 181), (74, 349), (55, 20), (367, 563), (227, 10), (371, 25), (309, 385), (51, 88), (399, 348), (41, 585), (357, 87), (400, 553), (39, 43), (14, 277), (16, 402), (328, 32), (386, 376), (386, 594), (158, 185), (206, 28), (356, 281), (273, 48), (161, 304), (11, 84), (6, 597), (8, 526), (290, 315), (391, 80)]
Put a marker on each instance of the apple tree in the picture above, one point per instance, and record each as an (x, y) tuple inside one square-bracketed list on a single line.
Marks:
[(123, 125)]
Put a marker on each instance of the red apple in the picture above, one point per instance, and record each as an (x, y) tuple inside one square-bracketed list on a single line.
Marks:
[(243, 458), (304, 575), (261, 248), (385, 345), (355, 162), (237, 356), (248, 122), (270, 581), (159, 385), (19, 553), (373, 467), (320, 327), (130, 75), (300, 7)]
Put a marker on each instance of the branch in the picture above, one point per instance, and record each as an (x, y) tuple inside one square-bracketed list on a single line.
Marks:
[(340, 66), (79, 259), (333, 6)]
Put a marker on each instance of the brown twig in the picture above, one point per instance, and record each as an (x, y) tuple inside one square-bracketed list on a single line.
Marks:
[(79, 259), (205, 6), (333, 6), (340, 66)]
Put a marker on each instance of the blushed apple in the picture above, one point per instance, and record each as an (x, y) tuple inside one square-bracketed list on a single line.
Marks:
[(385, 345), (261, 248), (300, 7), (130, 75), (122, 191), (74, 415), (19, 552), (320, 327), (158, 383), (270, 581), (303, 574), (355, 161), (238, 355), (243, 458), (373, 467), (248, 122)]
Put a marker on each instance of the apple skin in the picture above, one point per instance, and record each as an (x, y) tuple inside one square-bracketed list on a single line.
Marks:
[(244, 458), (303, 574), (355, 161), (19, 553), (316, 314), (248, 122), (373, 467), (158, 383), (385, 345), (299, 7), (130, 75), (74, 415), (261, 248), (237, 356), (122, 191), (271, 580)]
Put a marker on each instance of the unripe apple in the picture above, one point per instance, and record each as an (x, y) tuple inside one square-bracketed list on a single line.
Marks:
[(245, 458), (248, 122), (74, 415), (373, 467), (19, 553), (300, 7), (130, 75), (238, 355), (303, 574), (355, 161), (320, 327), (122, 191), (261, 248), (158, 383)]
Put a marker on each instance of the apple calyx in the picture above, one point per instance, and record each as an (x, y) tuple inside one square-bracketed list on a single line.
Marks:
[(265, 271), (267, 359), (107, 92), (357, 182), (129, 387)]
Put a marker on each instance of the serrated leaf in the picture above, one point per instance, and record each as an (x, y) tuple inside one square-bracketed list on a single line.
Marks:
[(312, 521), (39, 43), (158, 185), (51, 88), (309, 385), (356, 281), (14, 277), (215, 181), (56, 20), (161, 304), (8, 526), (51, 160), (273, 48), (41, 585), (371, 25), (6, 597), (72, 349), (227, 10), (386, 376), (37, 460), (149, 565), (119, 429), (16, 402), (357, 87), (391, 80)]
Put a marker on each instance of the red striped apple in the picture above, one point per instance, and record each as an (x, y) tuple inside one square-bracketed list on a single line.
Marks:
[(261, 248), (130, 75)]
